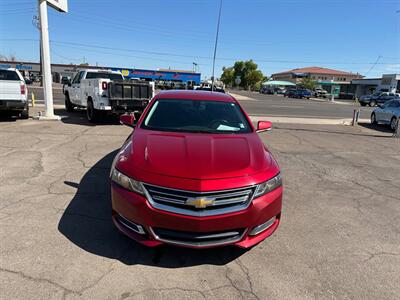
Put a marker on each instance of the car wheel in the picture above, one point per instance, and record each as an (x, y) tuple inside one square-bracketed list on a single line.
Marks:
[(25, 113), (69, 107), (393, 123), (363, 104), (372, 103), (93, 115), (373, 119)]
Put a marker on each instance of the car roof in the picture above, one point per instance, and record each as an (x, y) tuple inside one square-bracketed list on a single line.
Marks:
[(9, 69), (195, 95), (101, 71)]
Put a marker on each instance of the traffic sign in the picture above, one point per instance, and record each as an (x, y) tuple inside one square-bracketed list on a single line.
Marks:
[(238, 80), (60, 5)]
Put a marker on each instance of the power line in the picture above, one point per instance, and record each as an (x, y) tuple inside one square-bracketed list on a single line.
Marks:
[(216, 44), (91, 46), (374, 64)]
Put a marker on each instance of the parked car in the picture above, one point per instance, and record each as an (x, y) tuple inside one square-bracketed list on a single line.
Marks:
[(366, 99), (303, 93), (194, 173), (265, 90), (378, 97), (65, 80), (388, 113), (290, 93), (318, 92), (13, 93), (279, 90), (387, 97), (216, 89)]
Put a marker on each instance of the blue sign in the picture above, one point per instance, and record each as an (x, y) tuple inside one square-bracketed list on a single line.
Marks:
[(160, 75)]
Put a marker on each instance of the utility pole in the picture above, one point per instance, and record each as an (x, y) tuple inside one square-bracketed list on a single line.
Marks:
[(215, 47)]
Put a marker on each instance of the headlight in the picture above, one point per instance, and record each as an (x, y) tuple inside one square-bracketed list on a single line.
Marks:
[(268, 186), (126, 182)]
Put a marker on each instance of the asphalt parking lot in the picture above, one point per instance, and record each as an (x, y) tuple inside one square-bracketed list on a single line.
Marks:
[(338, 239)]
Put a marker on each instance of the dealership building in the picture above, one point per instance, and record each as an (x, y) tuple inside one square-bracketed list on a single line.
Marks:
[(349, 85), (321, 75), (32, 69)]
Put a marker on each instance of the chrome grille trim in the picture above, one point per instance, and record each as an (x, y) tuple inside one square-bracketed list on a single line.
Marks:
[(174, 200), (222, 241)]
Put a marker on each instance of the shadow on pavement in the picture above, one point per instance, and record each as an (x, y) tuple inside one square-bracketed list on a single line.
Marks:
[(78, 117), (7, 118), (380, 128), (87, 223)]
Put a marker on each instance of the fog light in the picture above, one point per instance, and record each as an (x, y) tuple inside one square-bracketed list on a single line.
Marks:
[(130, 225), (260, 228)]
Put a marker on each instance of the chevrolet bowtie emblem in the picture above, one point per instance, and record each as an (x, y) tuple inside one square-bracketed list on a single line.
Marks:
[(200, 202)]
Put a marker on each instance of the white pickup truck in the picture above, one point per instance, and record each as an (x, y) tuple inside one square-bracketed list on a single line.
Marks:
[(13, 93), (104, 92)]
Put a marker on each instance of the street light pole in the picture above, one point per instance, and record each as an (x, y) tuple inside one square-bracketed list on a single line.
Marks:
[(36, 23), (215, 47), (46, 67)]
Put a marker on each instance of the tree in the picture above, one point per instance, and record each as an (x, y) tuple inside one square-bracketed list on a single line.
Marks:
[(228, 76), (307, 83), (247, 71)]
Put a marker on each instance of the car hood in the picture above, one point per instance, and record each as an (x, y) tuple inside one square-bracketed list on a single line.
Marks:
[(196, 156)]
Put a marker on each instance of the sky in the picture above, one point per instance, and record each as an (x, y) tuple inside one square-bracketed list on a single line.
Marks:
[(351, 35)]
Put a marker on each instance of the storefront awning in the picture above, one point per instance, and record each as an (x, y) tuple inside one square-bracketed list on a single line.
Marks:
[(278, 82)]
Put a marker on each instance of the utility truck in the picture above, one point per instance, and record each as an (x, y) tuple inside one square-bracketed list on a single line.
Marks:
[(106, 92)]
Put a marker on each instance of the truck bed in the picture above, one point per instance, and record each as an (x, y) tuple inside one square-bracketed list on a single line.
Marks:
[(129, 95)]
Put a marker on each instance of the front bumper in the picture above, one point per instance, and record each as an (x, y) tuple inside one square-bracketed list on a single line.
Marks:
[(136, 209)]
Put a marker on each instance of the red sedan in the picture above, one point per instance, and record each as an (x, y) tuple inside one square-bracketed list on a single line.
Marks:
[(194, 173)]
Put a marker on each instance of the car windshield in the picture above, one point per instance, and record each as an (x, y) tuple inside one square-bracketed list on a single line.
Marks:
[(104, 75), (196, 116)]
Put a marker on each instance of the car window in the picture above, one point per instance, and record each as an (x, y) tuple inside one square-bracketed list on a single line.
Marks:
[(77, 77), (9, 75), (104, 75), (196, 116)]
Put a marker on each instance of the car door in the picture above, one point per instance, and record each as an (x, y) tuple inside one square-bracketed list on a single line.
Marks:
[(380, 111), (72, 89), (387, 111), (76, 87), (392, 110)]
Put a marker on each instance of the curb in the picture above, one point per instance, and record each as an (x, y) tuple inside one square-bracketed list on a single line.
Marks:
[(305, 121)]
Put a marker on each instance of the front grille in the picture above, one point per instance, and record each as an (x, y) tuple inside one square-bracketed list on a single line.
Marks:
[(198, 238), (199, 203)]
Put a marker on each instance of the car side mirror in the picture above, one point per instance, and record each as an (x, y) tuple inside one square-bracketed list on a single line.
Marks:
[(264, 126), (69, 83), (128, 120)]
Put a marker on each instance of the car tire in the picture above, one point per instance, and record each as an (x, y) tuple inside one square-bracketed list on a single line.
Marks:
[(372, 103), (69, 107), (393, 123), (25, 113), (373, 119), (363, 104), (93, 115)]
